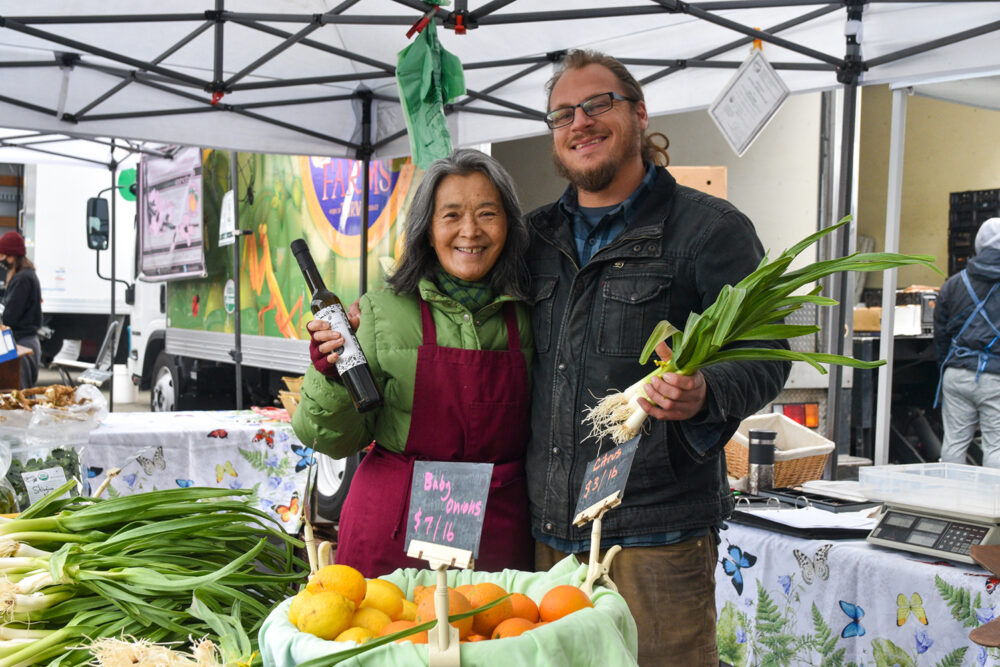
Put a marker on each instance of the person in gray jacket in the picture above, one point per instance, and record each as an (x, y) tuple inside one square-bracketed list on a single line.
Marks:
[(966, 331), (624, 248)]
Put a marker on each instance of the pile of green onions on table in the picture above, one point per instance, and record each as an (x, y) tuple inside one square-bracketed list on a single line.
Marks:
[(133, 577), (752, 310)]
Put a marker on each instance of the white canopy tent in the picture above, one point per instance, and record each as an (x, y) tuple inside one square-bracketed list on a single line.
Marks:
[(315, 77)]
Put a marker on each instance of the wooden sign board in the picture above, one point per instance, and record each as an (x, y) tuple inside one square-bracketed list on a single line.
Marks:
[(710, 180), (448, 504), (606, 475)]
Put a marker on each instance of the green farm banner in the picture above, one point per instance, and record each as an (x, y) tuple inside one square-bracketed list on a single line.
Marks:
[(282, 198)]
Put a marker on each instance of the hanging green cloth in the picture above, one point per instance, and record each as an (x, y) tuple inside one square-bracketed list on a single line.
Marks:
[(428, 78)]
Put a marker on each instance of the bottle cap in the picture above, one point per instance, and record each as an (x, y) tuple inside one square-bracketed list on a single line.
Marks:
[(761, 435)]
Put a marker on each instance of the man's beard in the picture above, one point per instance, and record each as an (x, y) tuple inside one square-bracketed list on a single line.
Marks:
[(599, 177)]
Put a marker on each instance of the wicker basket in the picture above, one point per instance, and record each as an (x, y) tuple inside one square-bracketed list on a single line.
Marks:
[(799, 454), (294, 384), (290, 400)]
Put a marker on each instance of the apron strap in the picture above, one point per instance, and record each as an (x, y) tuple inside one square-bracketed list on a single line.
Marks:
[(513, 335), (427, 322)]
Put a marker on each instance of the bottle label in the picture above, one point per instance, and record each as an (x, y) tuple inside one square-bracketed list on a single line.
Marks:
[(350, 355)]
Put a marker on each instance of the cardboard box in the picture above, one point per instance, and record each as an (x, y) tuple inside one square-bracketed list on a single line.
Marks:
[(868, 319)]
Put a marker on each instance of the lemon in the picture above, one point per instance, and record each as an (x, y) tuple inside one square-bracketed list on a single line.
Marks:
[(384, 596), (325, 614), (409, 612), (355, 634), (371, 619), (297, 602), (342, 579)]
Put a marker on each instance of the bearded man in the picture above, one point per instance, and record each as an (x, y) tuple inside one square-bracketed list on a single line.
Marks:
[(623, 248)]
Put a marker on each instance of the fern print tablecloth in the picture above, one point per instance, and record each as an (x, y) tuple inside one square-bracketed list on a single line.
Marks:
[(228, 448), (788, 601)]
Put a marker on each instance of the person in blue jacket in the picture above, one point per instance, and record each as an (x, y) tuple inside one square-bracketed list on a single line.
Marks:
[(966, 333)]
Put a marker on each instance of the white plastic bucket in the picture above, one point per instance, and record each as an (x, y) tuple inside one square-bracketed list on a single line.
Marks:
[(124, 390)]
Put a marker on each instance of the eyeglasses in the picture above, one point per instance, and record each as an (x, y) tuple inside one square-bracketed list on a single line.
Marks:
[(592, 106)]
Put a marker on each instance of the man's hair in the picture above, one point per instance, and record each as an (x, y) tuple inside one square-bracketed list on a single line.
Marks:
[(652, 151), (510, 274)]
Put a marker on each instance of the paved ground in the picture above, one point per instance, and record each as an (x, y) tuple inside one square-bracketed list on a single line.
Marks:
[(139, 402)]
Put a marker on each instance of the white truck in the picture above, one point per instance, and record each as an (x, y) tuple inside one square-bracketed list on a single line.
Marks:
[(76, 287)]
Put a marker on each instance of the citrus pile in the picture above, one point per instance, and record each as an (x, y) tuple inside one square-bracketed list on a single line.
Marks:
[(340, 604)]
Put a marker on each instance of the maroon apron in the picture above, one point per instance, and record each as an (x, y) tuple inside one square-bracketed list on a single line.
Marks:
[(470, 406)]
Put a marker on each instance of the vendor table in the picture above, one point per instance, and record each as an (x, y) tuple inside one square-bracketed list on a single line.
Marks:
[(789, 601), (231, 449)]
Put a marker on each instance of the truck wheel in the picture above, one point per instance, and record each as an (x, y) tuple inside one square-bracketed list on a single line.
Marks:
[(333, 479), (165, 384)]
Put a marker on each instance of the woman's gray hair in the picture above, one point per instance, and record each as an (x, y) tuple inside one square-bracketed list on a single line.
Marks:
[(510, 274)]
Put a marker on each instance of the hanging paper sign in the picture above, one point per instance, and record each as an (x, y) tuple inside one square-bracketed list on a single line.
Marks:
[(748, 102), (227, 220), (448, 503), (606, 475)]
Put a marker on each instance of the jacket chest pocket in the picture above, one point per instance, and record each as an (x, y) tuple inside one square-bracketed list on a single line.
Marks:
[(630, 307), (542, 297)]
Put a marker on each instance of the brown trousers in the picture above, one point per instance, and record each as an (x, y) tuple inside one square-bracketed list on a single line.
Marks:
[(670, 591)]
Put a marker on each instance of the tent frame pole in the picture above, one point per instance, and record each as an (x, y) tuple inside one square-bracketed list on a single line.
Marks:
[(113, 165), (893, 210), (237, 352), (364, 154)]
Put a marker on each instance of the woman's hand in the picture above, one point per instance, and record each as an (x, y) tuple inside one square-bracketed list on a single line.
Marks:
[(323, 341)]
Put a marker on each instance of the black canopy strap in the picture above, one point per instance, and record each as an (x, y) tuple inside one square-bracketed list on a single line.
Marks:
[(711, 53)]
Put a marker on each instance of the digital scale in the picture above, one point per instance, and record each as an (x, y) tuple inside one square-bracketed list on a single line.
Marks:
[(943, 535), (936, 509)]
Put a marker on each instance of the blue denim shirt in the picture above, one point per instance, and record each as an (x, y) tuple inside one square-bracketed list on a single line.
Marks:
[(592, 235)]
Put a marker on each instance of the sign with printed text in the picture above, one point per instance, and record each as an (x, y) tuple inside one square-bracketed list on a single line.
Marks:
[(448, 503), (748, 102), (39, 483), (606, 474)]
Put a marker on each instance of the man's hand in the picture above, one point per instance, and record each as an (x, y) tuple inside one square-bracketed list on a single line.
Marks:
[(673, 397)]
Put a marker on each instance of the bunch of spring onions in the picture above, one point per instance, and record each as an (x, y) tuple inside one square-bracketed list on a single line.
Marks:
[(171, 566), (752, 310)]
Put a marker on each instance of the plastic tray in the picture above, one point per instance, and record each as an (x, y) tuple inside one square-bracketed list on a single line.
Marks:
[(947, 487)]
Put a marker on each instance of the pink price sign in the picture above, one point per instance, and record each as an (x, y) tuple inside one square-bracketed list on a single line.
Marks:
[(448, 503)]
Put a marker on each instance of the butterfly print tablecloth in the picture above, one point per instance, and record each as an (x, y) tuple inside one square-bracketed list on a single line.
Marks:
[(788, 601), (229, 449)]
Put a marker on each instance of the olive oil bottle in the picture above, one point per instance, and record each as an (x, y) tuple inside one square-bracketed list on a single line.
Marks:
[(351, 364)]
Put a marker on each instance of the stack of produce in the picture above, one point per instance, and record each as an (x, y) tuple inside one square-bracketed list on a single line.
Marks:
[(166, 567), (509, 617)]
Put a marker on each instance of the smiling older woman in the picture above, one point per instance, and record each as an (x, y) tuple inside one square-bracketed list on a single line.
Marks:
[(449, 344)]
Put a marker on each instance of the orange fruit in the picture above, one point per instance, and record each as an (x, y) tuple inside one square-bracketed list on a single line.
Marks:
[(562, 601), (420, 591), (473, 637), (468, 590), (457, 604), (484, 622), (524, 607), (399, 626), (512, 627)]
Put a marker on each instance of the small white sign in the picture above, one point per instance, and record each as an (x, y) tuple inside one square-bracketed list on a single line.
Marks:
[(229, 296), (748, 101), (227, 220), (41, 482)]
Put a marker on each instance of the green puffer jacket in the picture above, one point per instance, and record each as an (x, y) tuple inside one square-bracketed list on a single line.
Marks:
[(390, 334)]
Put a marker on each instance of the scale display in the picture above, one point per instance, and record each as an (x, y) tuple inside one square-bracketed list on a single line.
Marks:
[(923, 532)]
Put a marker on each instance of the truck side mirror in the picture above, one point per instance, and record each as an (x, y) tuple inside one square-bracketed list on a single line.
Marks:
[(98, 229)]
